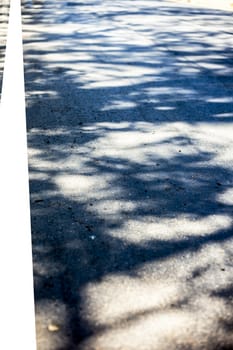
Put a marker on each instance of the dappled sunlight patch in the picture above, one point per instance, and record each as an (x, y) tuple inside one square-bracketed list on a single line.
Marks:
[(165, 108), (162, 304), (157, 308), (109, 76), (43, 93), (226, 5), (224, 99), (87, 186), (189, 70), (151, 228), (125, 49), (158, 161), (224, 115), (136, 144), (170, 329), (226, 197), (117, 105), (216, 138), (153, 91), (46, 268), (113, 299)]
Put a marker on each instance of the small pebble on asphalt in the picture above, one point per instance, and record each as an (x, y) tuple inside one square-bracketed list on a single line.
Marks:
[(53, 328)]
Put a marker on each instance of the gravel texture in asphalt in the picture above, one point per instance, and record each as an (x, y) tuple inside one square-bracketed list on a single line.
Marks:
[(129, 117)]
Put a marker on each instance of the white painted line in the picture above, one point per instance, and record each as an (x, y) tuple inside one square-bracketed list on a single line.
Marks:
[(16, 292)]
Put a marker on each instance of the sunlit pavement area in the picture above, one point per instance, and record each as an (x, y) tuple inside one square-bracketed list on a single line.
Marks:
[(129, 116), (4, 13), (214, 4)]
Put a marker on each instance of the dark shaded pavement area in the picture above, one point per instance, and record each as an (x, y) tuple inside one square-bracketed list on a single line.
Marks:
[(129, 116)]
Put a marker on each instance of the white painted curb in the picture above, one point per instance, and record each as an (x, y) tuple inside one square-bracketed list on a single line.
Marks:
[(16, 292)]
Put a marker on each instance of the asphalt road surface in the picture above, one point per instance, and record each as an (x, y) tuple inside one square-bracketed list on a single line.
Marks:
[(130, 148)]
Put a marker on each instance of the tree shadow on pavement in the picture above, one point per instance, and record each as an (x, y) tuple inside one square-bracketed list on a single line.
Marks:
[(130, 173)]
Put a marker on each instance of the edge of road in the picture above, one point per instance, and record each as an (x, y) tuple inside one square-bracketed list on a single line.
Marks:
[(17, 297)]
